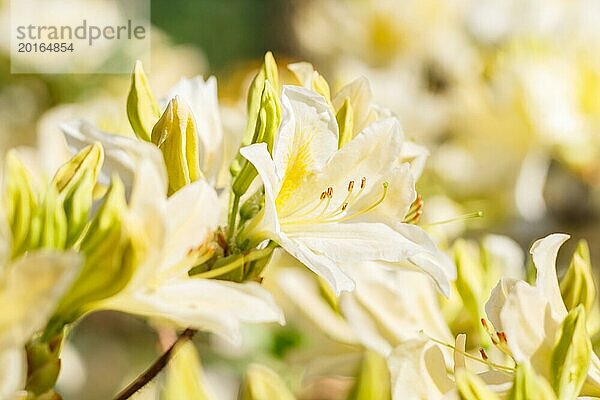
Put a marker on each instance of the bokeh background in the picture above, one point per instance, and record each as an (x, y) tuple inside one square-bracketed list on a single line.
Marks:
[(504, 93)]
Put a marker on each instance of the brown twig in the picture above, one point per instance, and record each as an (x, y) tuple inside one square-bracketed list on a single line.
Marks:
[(154, 369)]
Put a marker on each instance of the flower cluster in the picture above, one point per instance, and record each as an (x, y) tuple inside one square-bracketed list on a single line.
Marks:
[(187, 224)]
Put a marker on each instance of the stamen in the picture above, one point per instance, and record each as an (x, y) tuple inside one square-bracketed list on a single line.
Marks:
[(483, 354), (490, 364), (502, 337), (476, 214), (415, 211)]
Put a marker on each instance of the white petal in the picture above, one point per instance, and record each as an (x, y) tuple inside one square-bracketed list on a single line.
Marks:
[(360, 95), (31, 289), (121, 154), (192, 213), (497, 300), (206, 304), (307, 137), (355, 242), (527, 324), (13, 370), (418, 372), (544, 252), (259, 156), (320, 264), (302, 289), (416, 155)]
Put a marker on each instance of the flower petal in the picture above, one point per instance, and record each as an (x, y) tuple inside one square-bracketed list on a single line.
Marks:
[(121, 154), (206, 304), (544, 252), (355, 242)]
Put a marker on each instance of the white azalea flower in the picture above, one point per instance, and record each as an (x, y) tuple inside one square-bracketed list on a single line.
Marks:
[(530, 316), (330, 207), (163, 233)]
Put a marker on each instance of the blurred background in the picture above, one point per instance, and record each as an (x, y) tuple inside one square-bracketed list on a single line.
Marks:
[(504, 93)]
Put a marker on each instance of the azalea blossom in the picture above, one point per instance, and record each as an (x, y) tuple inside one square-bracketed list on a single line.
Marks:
[(530, 316), (165, 233), (330, 207)]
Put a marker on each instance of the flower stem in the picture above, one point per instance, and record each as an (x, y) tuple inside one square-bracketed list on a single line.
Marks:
[(235, 204), (153, 370)]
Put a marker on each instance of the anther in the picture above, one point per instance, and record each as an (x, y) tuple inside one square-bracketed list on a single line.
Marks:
[(350, 186), (363, 182), (323, 195), (502, 337), (344, 206), (330, 191), (483, 354)]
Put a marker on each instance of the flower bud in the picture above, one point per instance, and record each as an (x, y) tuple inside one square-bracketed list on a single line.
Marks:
[(373, 380), (577, 286), (571, 355), (268, 72), (175, 134), (21, 202), (262, 383), (108, 261), (142, 109), (75, 182), (266, 130), (528, 385), (471, 387)]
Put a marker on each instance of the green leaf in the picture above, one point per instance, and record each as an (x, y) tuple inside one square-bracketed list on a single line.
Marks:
[(373, 380), (142, 109), (529, 386), (175, 135), (471, 387), (262, 383), (577, 286), (570, 357)]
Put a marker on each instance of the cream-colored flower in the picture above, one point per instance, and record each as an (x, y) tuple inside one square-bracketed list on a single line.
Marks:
[(330, 207), (163, 232)]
